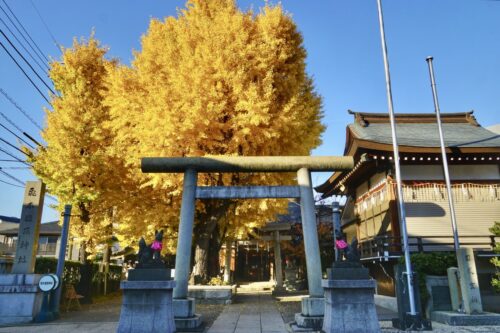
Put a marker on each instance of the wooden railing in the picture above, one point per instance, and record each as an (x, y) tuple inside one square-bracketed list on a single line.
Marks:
[(385, 247)]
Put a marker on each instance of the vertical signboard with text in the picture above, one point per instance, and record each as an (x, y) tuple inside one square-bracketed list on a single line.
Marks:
[(27, 238)]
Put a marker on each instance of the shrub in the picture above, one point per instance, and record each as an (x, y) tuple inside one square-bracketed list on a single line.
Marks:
[(71, 273), (495, 282), (216, 281), (433, 263)]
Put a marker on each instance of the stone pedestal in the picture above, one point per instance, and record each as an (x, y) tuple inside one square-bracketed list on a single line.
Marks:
[(311, 317), (454, 285), (185, 317), (147, 307), (20, 298), (349, 300), (461, 319)]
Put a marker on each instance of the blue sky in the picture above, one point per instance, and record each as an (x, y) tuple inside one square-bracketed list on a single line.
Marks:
[(344, 58)]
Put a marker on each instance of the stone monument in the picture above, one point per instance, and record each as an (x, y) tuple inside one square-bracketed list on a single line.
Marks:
[(147, 294), (349, 293), (469, 284), (465, 295), (291, 270), (20, 297)]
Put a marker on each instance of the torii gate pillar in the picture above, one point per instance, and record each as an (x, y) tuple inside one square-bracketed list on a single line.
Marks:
[(185, 236)]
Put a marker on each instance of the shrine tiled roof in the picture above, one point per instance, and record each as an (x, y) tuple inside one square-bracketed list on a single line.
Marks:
[(427, 135), (369, 137), (421, 130)]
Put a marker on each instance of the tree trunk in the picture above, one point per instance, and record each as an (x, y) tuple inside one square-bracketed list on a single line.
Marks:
[(203, 233), (84, 287), (213, 251)]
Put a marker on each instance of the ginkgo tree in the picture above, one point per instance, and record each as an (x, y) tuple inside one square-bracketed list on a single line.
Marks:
[(74, 163), (216, 81)]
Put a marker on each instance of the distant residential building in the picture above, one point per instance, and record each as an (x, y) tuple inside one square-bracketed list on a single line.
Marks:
[(7, 222), (48, 241)]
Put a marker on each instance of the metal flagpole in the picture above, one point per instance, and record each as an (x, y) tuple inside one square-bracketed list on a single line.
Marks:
[(402, 215), (443, 154)]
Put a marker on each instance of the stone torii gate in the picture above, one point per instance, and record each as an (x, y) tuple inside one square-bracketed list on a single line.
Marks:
[(191, 166)]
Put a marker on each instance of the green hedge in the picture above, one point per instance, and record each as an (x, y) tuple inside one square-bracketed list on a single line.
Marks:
[(71, 273), (432, 263)]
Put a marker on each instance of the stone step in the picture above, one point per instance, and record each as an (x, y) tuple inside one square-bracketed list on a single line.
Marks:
[(260, 286)]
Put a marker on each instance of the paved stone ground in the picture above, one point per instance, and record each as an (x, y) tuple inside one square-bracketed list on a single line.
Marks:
[(289, 305), (386, 327), (250, 313), (100, 317)]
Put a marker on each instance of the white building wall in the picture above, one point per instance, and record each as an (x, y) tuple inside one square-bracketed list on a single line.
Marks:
[(457, 172), (477, 207)]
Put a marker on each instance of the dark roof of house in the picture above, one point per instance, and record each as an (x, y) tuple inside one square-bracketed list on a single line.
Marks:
[(46, 229), (9, 219)]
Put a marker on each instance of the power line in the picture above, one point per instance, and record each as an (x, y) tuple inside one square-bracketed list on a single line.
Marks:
[(10, 121), (3, 181), (44, 69), (13, 102), (51, 197), (26, 61), (46, 26), (15, 17), (16, 161), (11, 145), (11, 177), (5, 127), (23, 185), (31, 138), (16, 168), (22, 70), (13, 156)]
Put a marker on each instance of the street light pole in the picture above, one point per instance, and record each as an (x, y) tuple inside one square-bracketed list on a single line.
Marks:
[(401, 208)]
